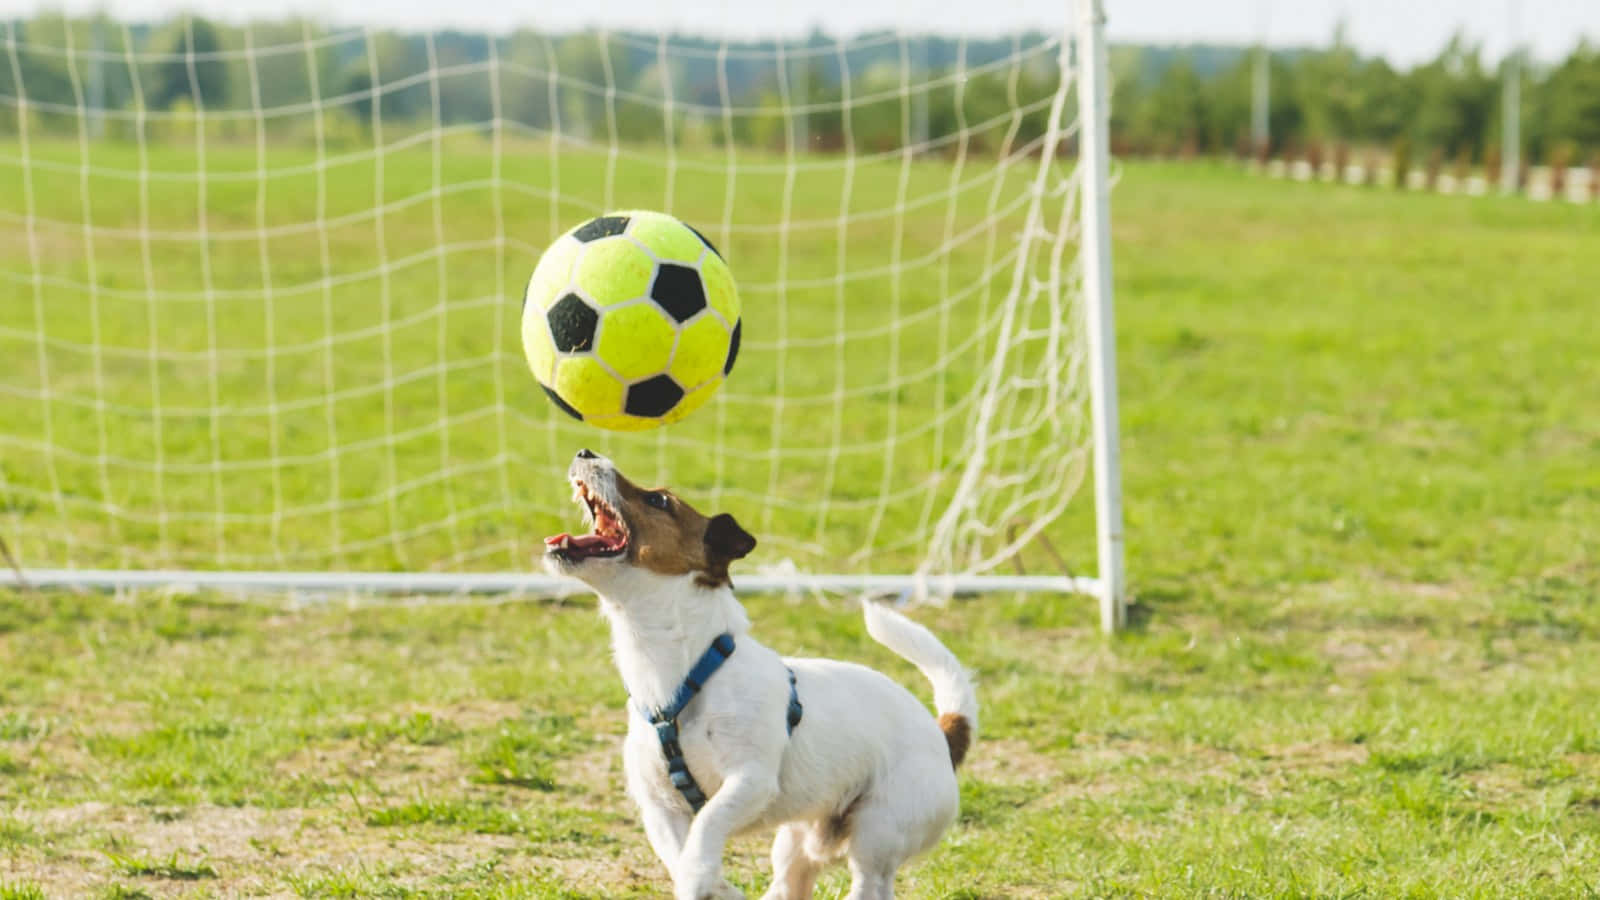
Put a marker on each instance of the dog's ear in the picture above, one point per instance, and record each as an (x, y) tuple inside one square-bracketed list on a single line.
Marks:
[(726, 540)]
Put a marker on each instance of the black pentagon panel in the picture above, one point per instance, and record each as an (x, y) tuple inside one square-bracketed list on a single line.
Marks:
[(605, 226), (562, 404), (653, 397), (733, 348), (572, 324), (709, 246), (678, 291)]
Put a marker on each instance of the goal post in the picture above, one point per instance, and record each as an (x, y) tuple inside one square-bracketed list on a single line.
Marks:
[(260, 285), (1095, 257)]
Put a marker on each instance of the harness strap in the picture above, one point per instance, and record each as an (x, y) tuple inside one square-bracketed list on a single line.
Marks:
[(665, 719), (795, 709)]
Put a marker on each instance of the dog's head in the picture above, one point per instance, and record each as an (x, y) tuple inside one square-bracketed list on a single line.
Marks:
[(635, 531)]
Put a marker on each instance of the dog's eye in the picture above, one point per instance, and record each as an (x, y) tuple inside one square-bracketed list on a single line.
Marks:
[(657, 499)]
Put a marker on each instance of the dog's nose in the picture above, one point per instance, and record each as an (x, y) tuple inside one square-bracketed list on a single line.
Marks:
[(586, 453)]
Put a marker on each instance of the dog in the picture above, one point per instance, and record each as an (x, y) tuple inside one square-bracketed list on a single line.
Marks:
[(841, 760)]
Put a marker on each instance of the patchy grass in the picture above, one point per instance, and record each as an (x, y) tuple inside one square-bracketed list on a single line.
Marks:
[(423, 729), (353, 882), (1189, 756), (1362, 508), (523, 752), (18, 727), (15, 833), (116, 891), (171, 867), (480, 818)]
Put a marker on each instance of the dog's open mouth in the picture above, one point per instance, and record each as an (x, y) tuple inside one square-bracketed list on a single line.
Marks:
[(609, 537)]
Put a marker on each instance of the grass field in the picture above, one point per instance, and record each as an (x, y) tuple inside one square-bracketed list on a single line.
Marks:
[(1360, 437)]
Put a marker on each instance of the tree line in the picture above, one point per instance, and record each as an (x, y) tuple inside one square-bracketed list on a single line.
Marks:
[(296, 78), (876, 92), (1447, 107)]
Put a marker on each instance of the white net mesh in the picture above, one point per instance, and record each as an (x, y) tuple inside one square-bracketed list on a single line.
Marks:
[(259, 289)]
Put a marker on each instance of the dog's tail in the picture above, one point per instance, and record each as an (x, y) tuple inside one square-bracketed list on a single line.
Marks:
[(953, 694)]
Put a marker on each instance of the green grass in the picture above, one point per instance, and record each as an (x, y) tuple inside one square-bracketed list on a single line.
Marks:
[(1359, 438)]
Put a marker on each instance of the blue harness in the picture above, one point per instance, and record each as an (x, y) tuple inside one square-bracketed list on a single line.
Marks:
[(665, 719)]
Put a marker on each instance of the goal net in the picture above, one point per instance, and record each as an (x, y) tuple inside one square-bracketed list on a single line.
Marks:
[(259, 292)]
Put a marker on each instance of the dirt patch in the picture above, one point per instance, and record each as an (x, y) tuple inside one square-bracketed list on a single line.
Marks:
[(90, 839), (257, 852), (54, 243), (1317, 755), (1116, 766), (389, 769), (1197, 759), (1360, 652), (1008, 761), (1498, 785), (596, 773), (472, 715), (1096, 660), (1584, 762)]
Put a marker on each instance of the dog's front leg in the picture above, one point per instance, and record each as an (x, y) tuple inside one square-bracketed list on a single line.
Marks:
[(743, 796), (666, 829)]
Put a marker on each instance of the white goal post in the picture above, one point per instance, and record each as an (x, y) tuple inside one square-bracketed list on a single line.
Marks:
[(258, 296)]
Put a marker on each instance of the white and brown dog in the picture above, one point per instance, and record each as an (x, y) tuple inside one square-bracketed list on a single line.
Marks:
[(713, 747)]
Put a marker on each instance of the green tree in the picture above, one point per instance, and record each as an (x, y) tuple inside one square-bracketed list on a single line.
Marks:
[(1569, 100), (44, 80), (1174, 113), (1329, 86), (401, 90), (1455, 98), (281, 60), (527, 79), (1386, 105), (194, 69), (581, 68)]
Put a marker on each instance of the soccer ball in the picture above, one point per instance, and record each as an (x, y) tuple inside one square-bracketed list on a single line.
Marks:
[(631, 321)]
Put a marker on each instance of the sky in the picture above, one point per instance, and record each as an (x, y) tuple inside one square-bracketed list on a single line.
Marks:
[(1405, 32)]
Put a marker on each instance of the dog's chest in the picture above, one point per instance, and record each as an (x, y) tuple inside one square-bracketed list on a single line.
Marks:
[(647, 761)]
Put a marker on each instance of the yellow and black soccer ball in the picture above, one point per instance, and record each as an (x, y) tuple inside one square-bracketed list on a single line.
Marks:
[(631, 320)]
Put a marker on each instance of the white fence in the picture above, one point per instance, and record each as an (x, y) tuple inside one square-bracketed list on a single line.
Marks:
[(1576, 184)]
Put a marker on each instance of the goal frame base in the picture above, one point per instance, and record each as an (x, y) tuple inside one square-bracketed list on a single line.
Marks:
[(521, 583)]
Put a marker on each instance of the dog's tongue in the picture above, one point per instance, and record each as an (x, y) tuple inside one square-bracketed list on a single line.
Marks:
[(583, 543), (588, 542)]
